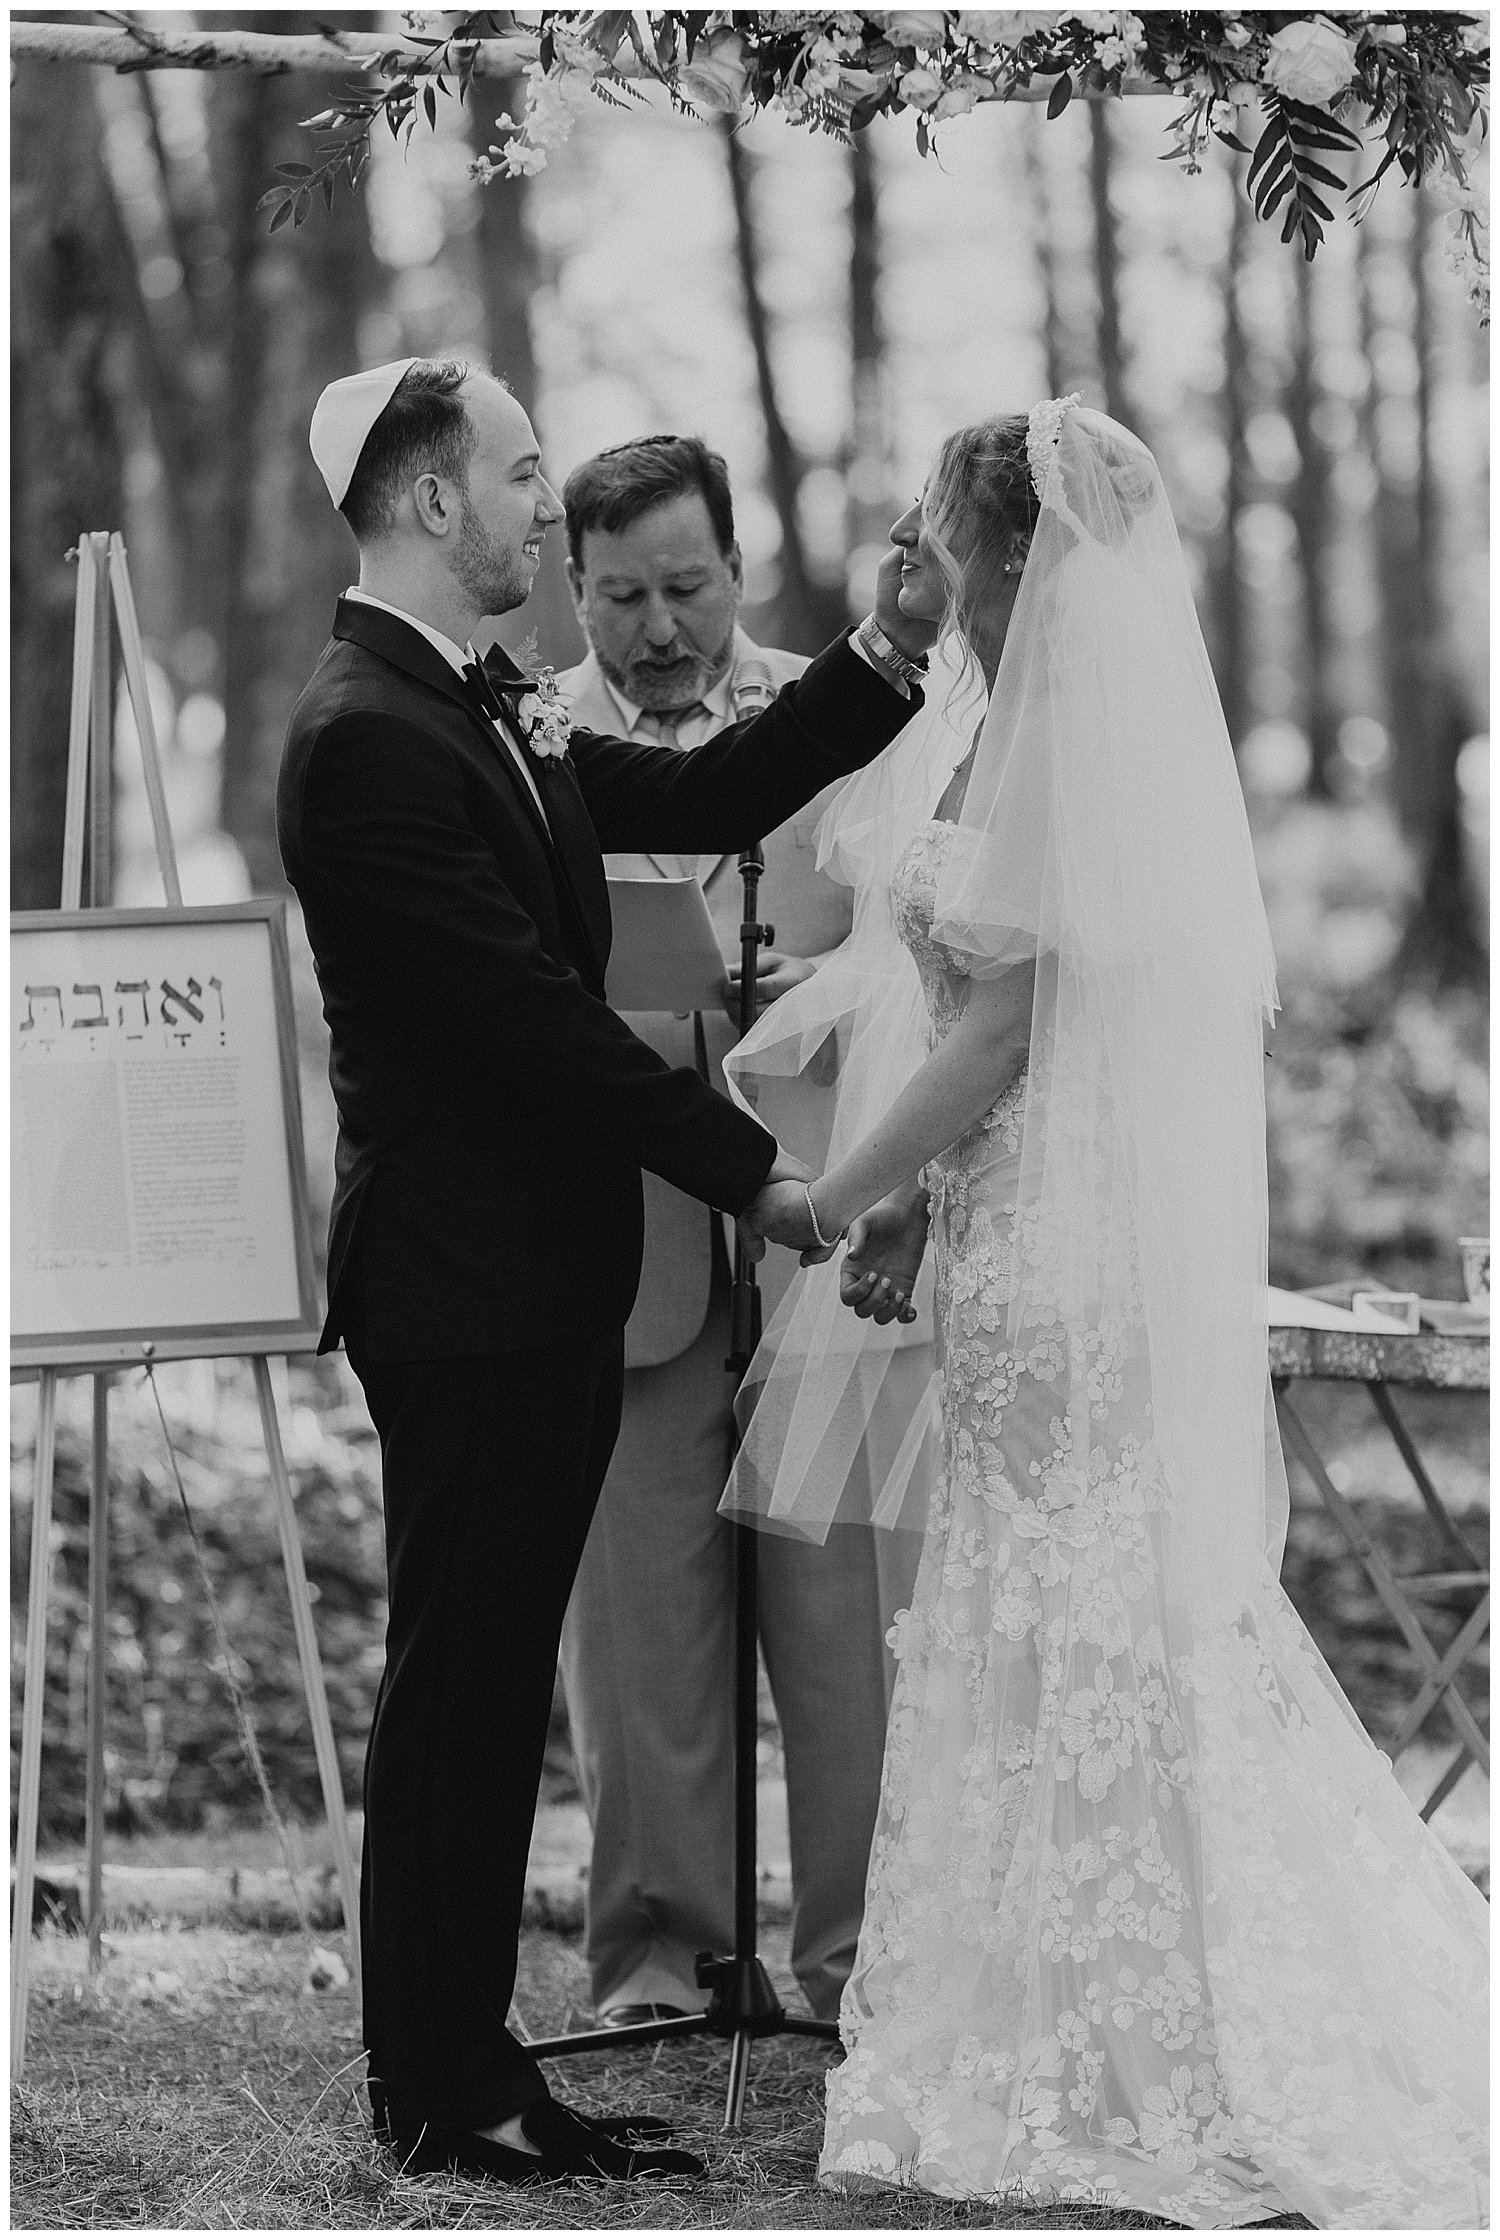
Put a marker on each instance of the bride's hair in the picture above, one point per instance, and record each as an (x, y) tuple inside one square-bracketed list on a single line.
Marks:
[(980, 509)]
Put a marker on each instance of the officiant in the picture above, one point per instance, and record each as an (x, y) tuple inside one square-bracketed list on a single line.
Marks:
[(648, 1644)]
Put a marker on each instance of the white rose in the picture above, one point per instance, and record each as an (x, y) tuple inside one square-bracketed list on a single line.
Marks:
[(1309, 61), (956, 102), (923, 89), (914, 27), (1236, 35), (716, 79), (1003, 27)]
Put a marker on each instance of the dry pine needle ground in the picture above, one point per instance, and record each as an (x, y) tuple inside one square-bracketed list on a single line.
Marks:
[(194, 2086)]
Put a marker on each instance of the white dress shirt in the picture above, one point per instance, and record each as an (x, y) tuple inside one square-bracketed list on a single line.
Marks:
[(457, 658)]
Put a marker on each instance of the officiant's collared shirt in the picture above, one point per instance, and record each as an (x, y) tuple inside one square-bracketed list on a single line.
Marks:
[(457, 658), (707, 718)]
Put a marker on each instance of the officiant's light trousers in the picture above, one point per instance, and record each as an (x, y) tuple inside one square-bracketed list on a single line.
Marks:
[(492, 1466), (648, 1664)]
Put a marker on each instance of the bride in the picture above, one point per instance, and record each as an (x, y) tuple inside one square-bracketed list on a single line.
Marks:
[(1149, 1921)]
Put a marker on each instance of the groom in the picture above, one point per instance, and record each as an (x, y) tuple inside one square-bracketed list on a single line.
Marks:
[(494, 1119)]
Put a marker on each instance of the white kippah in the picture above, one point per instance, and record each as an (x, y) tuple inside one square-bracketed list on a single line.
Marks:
[(344, 415)]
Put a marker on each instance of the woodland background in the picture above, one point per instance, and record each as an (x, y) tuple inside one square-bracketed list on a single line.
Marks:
[(823, 314)]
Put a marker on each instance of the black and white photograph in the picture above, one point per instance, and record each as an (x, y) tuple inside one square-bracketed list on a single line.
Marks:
[(749, 1118)]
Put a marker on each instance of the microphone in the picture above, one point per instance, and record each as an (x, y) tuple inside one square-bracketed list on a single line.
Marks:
[(752, 688)]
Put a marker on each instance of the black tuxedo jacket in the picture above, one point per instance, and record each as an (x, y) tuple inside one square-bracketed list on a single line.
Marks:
[(494, 1113)]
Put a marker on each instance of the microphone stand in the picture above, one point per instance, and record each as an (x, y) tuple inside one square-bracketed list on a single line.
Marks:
[(744, 2005)]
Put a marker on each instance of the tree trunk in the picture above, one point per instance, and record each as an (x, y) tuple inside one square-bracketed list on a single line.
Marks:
[(1041, 235), (1109, 348), (1389, 518), (241, 118), (65, 451), (307, 289), (868, 473), (811, 613), (1429, 720), (1227, 593), (1309, 509), (507, 279)]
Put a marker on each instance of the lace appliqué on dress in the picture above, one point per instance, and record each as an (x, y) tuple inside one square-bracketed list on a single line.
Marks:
[(1149, 1922)]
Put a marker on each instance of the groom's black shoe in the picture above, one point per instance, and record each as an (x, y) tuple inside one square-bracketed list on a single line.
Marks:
[(569, 2145), (632, 2131)]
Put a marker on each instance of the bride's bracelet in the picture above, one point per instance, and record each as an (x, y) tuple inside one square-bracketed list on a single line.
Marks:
[(824, 1244)]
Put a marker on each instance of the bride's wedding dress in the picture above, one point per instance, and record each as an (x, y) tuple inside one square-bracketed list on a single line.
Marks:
[(1149, 1921)]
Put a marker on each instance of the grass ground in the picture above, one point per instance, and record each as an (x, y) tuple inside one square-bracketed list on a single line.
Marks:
[(194, 2086)]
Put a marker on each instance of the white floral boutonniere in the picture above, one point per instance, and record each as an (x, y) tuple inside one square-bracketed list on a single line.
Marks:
[(541, 711), (542, 714)]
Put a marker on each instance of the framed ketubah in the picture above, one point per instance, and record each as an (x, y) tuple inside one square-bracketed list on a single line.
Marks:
[(158, 1181)]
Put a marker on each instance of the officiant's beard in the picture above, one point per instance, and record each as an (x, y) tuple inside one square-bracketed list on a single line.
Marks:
[(660, 687), (492, 575)]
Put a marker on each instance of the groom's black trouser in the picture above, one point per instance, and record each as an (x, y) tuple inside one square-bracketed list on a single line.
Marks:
[(492, 1467)]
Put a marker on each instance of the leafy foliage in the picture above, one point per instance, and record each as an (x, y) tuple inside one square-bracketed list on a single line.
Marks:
[(1418, 73), (1283, 168)]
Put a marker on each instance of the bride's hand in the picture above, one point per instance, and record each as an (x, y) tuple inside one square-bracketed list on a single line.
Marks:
[(885, 1252)]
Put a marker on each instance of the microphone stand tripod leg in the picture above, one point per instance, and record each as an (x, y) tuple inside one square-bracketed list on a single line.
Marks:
[(739, 2078)]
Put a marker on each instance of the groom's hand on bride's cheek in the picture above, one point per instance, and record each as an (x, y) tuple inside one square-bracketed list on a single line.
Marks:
[(913, 634)]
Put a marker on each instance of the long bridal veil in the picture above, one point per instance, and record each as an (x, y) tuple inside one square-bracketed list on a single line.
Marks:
[(1102, 837), (1149, 1919)]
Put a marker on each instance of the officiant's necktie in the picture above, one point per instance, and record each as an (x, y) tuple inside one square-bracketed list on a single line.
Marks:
[(668, 727)]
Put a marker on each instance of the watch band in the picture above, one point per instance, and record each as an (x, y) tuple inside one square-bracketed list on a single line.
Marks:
[(890, 656)]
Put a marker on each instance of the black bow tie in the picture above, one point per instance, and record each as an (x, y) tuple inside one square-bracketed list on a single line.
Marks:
[(485, 694)]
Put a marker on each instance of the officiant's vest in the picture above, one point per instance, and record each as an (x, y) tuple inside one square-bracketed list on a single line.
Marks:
[(811, 914)]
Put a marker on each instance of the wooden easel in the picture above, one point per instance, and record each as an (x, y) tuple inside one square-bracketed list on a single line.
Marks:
[(103, 577)]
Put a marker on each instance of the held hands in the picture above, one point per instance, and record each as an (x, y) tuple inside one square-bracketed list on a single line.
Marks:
[(885, 1252), (910, 633), (779, 1212), (775, 976)]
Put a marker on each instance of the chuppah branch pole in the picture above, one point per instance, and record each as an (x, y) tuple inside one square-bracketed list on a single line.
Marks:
[(273, 53)]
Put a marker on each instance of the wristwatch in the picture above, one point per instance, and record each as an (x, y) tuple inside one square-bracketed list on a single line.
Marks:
[(890, 656)]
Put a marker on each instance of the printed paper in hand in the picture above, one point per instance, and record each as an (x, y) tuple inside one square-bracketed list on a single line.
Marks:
[(666, 954)]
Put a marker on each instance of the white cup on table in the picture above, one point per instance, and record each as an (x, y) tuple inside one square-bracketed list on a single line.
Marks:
[(1475, 1254)]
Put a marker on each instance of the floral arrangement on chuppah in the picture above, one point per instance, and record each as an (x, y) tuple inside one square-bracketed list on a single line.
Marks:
[(1308, 86)]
